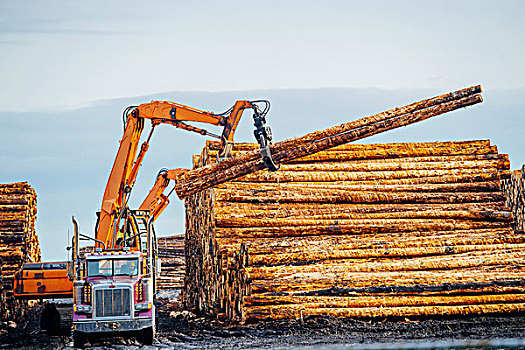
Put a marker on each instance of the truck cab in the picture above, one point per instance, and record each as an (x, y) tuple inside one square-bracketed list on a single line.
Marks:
[(114, 289)]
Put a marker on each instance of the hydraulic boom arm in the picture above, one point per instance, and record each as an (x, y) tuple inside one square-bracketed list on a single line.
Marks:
[(127, 162), (156, 201)]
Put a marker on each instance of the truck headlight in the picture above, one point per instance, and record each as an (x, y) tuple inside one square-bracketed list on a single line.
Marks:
[(142, 306), (83, 309)]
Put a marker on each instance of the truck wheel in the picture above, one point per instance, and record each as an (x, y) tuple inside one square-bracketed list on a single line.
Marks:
[(79, 339), (148, 335), (66, 318)]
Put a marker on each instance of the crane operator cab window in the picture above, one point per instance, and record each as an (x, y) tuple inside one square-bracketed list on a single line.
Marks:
[(124, 231)]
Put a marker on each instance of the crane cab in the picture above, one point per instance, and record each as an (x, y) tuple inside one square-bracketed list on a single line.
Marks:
[(131, 232)]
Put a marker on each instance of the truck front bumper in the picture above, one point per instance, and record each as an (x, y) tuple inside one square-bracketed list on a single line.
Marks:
[(112, 326)]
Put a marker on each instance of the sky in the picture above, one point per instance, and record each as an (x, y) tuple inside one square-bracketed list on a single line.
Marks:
[(69, 68), (68, 53)]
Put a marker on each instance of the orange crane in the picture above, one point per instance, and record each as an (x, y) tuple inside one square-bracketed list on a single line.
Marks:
[(156, 201), (125, 168), (114, 285)]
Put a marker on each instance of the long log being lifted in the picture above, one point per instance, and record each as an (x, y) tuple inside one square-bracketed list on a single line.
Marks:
[(195, 180)]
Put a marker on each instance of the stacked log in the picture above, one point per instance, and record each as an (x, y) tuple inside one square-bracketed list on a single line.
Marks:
[(18, 242), (514, 188), (381, 230), (2, 294), (171, 252)]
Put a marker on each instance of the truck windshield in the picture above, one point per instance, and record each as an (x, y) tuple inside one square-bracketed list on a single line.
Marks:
[(112, 267)]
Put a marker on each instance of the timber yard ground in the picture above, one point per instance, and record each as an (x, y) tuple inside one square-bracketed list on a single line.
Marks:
[(315, 333)]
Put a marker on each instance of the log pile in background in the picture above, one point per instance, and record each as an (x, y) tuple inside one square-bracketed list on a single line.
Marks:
[(3, 309), (357, 231), (171, 252), (18, 242), (514, 188)]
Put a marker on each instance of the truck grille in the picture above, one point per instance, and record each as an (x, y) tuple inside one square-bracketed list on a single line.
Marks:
[(112, 302)]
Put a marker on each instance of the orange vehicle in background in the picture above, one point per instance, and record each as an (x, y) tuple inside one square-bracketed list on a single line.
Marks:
[(43, 280)]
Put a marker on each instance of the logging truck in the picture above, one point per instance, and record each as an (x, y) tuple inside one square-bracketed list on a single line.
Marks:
[(113, 285)]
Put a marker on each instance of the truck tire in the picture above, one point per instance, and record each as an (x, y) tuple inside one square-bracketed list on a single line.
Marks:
[(79, 339), (148, 335), (66, 319)]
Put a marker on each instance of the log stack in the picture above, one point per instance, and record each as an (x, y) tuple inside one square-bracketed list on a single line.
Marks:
[(2, 295), (171, 252), (378, 230), (18, 241), (514, 188)]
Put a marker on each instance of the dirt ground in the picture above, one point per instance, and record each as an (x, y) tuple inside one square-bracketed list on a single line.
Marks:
[(315, 332)]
